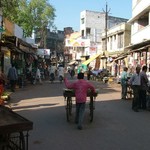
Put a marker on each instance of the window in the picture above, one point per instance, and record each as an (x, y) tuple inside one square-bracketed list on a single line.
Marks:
[(114, 37), (88, 31), (120, 40), (82, 20), (111, 43), (82, 32), (143, 21), (103, 44)]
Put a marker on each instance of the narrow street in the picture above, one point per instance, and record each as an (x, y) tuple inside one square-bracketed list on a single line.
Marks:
[(115, 125)]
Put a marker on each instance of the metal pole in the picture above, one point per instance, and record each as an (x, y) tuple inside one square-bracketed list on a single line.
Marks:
[(106, 18), (106, 34)]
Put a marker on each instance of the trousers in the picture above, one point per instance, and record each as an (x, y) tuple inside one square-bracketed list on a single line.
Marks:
[(136, 99), (123, 91), (80, 109)]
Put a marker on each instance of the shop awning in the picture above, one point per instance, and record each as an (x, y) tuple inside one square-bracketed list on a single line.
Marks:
[(138, 45), (90, 59), (16, 49), (121, 57)]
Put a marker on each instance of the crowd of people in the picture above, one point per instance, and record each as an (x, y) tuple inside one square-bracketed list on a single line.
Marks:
[(36, 75), (139, 83), (53, 71)]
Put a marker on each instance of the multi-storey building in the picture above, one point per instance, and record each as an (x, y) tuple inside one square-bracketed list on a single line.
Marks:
[(118, 37), (68, 31), (52, 40), (140, 29), (93, 23)]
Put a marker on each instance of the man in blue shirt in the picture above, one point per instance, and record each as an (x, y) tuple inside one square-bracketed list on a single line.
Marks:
[(13, 77), (124, 77)]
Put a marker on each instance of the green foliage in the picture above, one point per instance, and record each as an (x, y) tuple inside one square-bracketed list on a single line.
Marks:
[(29, 14)]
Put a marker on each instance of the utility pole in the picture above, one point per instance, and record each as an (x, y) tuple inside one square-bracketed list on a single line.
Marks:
[(106, 11), (1, 19), (1, 30)]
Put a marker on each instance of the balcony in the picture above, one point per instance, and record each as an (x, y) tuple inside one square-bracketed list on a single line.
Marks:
[(141, 35), (142, 6)]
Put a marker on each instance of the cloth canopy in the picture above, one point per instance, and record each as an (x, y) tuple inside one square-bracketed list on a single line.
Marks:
[(90, 59)]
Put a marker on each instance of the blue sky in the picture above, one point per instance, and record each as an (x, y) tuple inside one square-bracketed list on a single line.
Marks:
[(68, 11)]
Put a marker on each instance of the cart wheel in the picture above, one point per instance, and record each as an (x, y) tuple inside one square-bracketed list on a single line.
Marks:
[(91, 109), (129, 93), (22, 141), (69, 108)]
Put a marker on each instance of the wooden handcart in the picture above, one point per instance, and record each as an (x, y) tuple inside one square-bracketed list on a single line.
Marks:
[(69, 94), (13, 130)]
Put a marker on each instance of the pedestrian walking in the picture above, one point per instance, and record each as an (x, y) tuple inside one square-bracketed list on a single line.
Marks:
[(124, 79), (72, 71), (135, 82), (60, 73), (89, 73), (12, 77), (38, 76), (52, 72), (144, 88), (81, 87)]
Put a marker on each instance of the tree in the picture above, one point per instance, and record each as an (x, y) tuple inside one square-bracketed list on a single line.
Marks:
[(30, 14), (8, 4)]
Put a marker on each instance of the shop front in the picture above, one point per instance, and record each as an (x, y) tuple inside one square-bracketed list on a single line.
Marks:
[(139, 54), (6, 59)]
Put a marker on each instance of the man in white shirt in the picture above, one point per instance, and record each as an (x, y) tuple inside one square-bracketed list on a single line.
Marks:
[(38, 76), (60, 72), (135, 82)]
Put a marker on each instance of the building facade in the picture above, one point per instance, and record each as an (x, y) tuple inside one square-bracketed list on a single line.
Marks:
[(140, 39), (14, 49), (93, 23), (118, 37), (52, 40)]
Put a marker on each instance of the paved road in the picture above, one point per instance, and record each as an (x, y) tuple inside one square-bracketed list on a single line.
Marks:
[(115, 125)]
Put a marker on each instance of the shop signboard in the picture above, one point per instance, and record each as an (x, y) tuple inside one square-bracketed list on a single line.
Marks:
[(9, 27), (43, 52), (77, 42)]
